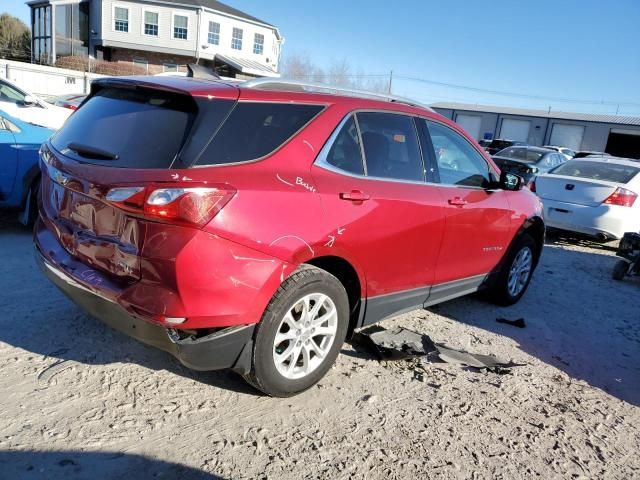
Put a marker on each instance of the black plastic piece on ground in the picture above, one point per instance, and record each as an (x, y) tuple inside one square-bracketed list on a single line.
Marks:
[(514, 323)]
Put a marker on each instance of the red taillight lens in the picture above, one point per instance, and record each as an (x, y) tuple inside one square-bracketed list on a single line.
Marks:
[(191, 205), (622, 197), (532, 186)]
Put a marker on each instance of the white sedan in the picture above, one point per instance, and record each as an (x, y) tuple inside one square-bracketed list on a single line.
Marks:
[(26, 106), (596, 196)]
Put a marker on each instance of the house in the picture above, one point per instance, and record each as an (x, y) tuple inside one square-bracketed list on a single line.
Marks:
[(618, 135), (156, 35)]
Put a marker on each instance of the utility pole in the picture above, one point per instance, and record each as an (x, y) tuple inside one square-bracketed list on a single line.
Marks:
[(390, 81)]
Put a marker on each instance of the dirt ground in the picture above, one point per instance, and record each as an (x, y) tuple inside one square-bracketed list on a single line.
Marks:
[(78, 400)]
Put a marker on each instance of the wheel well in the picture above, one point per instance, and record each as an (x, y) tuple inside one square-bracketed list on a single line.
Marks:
[(343, 271), (535, 228)]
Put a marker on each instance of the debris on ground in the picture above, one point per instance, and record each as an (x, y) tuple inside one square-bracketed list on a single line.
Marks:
[(403, 344), (514, 323)]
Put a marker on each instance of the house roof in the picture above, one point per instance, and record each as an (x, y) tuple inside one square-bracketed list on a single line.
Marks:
[(221, 7), (250, 67), (586, 117)]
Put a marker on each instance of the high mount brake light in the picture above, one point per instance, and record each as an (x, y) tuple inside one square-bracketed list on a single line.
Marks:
[(622, 197), (191, 205)]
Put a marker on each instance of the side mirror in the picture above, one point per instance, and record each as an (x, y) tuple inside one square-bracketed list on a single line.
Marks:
[(30, 101), (511, 181)]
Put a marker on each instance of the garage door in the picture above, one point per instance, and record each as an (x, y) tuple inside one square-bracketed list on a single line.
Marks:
[(569, 136), (516, 130), (471, 124), (624, 143)]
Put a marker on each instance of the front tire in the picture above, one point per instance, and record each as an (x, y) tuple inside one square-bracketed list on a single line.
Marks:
[(514, 278), (300, 334)]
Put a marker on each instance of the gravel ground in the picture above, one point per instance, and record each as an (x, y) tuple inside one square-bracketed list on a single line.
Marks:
[(81, 401)]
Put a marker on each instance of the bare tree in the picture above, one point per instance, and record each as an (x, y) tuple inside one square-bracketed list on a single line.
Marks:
[(339, 73), (15, 38)]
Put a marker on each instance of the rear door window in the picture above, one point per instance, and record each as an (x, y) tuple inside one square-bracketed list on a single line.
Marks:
[(458, 162), (608, 172), (254, 130), (128, 128), (391, 147), (346, 153)]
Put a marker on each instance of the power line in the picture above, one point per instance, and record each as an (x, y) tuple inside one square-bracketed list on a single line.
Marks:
[(515, 94), (475, 89)]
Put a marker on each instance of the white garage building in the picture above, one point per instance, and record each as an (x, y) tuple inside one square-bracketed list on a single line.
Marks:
[(615, 134)]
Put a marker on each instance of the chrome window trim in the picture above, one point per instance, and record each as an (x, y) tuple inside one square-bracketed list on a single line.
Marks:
[(321, 158), (363, 155)]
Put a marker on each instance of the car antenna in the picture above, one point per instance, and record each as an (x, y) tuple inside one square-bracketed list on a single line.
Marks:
[(198, 71)]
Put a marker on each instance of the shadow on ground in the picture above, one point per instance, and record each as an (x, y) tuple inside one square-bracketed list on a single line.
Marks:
[(71, 465), (38, 318), (577, 319)]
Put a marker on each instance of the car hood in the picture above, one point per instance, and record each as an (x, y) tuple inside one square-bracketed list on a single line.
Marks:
[(48, 116)]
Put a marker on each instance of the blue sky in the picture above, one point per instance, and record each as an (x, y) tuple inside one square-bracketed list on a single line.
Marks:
[(564, 49)]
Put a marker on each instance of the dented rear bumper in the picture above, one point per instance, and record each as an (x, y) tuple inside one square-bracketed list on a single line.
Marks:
[(226, 348)]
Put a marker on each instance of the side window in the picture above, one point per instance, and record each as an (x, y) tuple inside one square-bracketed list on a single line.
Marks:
[(345, 152), (254, 130), (458, 162), (558, 159), (391, 148), (548, 160), (10, 94), (7, 125)]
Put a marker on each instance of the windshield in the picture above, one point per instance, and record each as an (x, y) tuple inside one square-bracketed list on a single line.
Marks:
[(609, 172)]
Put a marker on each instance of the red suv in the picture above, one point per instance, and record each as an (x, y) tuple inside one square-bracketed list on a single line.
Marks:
[(255, 226)]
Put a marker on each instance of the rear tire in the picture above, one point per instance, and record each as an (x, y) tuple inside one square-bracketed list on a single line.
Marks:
[(514, 278), (620, 270), (33, 204), (300, 334)]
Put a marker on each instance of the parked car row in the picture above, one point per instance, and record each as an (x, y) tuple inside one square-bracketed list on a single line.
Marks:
[(585, 192), (595, 196)]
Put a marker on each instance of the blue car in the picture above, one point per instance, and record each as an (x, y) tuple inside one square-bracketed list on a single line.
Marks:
[(19, 172)]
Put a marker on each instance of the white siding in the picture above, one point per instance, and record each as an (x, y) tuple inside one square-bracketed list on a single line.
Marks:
[(227, 24), (136, 36)]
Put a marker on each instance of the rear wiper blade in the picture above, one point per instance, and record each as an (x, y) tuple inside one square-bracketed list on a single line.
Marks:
[(91, 152)]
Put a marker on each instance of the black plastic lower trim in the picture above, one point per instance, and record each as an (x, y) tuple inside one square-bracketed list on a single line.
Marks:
[(226, 348)]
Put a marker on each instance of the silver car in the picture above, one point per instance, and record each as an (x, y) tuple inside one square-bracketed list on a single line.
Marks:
[(596, 196)]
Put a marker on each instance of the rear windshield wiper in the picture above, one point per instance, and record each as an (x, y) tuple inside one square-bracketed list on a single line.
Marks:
[(91, 152)]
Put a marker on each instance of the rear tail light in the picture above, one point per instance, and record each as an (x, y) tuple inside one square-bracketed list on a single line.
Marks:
[(194, 206), (622, 197)]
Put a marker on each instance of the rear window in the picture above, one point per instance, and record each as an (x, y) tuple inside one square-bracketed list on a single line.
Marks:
[(608, 172), (521, 154), (128, 128), (254, 130)]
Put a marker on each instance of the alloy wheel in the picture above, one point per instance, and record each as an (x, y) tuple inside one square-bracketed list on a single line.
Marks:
[(305, 336), (520, 271)]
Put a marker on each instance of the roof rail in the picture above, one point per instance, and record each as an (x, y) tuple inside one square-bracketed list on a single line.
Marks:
[(299, 86)]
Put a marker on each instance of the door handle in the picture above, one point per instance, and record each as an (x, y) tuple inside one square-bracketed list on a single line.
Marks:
[(355, 196), (457, 201)]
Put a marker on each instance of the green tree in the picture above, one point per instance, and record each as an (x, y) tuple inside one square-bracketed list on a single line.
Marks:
[(15, 38)]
